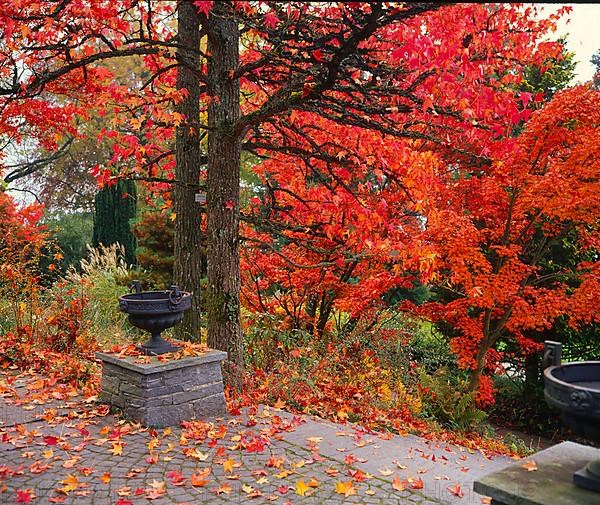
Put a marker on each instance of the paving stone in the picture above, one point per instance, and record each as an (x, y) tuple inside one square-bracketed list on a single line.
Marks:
[(377, 453)]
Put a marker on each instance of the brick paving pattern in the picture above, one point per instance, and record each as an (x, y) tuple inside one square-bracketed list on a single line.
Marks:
[(256, 459)]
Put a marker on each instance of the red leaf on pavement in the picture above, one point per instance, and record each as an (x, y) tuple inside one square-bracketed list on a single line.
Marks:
[(456, 490), (417, 484), (25, 495)]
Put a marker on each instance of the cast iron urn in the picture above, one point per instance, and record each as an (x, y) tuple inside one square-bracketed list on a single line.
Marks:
[(574, 388), (155, 311)]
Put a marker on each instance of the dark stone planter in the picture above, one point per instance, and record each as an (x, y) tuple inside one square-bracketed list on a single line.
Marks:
[(568, 473), (155, 311), (164, 393)]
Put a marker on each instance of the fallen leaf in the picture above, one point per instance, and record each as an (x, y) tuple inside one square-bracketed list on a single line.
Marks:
[(385, 472), (105, 478), (86, 471), (223, 489), (25, 495), (345, 488), (228, 465), (124, 491), (197, 454), (117, 449), (456, 490), (71, 483), (301, 488), (50, 440), (70, 463), (399, 485), (359, 475), (417, 484), (275, 461), (156, 490), (177, 478), (37, 467), (530, 465), (200, 478), (350, 459)]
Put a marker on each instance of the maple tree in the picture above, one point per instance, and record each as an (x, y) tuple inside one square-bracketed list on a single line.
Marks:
[(62, 59), (316, 84), (341, 218), (494, 230)]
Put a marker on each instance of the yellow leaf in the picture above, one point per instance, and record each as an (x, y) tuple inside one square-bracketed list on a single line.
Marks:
[(48, 454), (299, 464), (342, 414), (172, 216), (345, 488), (117, 449), (385, 472), (228, 465), (71, 483), (105, 478), (301, 488), (199, 455), (153, 444)]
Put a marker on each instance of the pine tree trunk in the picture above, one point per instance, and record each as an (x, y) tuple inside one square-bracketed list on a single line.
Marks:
[(223, 187), (187, 268)]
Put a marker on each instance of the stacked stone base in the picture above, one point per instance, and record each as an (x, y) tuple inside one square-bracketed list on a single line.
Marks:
[(164, 393)]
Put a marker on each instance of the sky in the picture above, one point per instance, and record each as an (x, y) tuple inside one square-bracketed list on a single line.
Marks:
[(583, 30)]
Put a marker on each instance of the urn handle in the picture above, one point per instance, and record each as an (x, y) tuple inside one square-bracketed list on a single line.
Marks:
[(136, 287), (175, 295), (552, 354)]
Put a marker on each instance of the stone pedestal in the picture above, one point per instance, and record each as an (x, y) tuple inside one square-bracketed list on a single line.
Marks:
[(550, 484), (164, 393)]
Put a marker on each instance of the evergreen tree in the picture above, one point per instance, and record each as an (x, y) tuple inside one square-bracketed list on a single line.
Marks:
[(114, 208), (596, 62)]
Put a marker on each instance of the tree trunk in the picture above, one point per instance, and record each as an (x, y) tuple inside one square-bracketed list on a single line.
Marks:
[(480, 359), (223, 188), (187, 268)]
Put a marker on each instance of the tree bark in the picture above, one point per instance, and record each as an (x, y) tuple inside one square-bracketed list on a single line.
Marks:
[(187, 270), (223, 188)]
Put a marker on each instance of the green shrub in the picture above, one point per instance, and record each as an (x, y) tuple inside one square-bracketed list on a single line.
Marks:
[(447, 399)]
